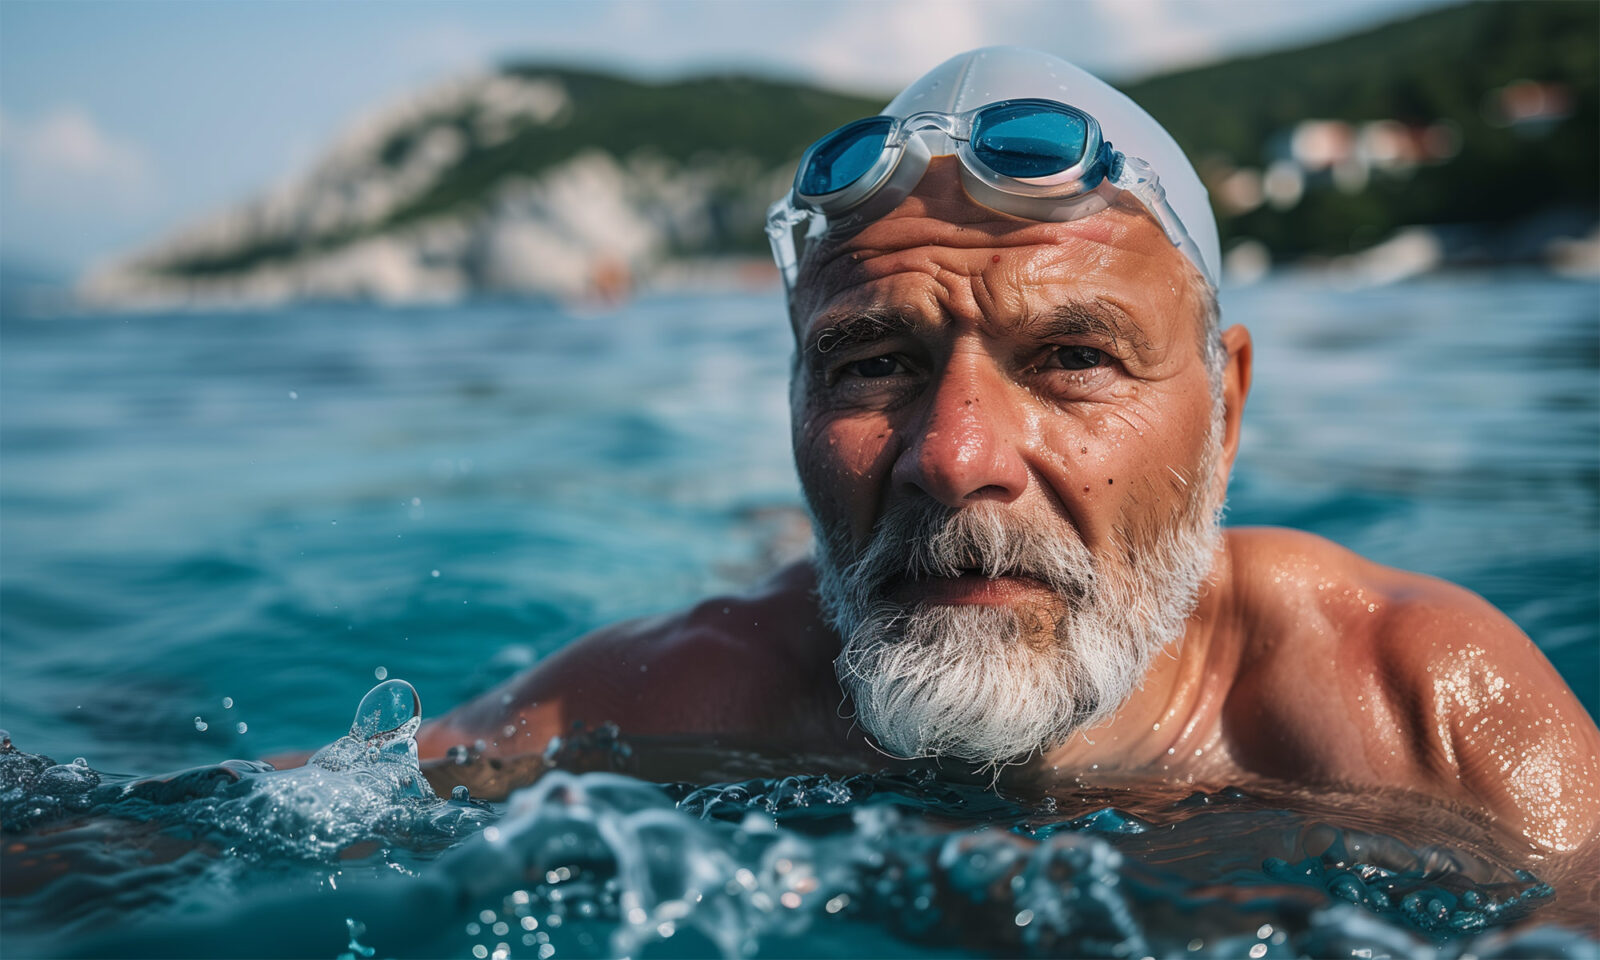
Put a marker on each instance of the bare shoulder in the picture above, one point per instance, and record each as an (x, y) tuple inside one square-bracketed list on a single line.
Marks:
[(726, 665), (1365, 673)]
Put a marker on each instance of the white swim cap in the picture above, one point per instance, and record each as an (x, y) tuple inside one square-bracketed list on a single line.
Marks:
[(982, 76)]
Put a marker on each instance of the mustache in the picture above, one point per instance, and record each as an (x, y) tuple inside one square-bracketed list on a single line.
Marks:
[(920, 539)]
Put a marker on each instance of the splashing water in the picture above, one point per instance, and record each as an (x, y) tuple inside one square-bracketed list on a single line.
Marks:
[(380, 745), (600, 864), (359, 802), (355, 948)]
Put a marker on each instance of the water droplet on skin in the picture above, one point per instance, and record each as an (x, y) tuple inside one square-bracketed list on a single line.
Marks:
[(390, 711), (227, 703)]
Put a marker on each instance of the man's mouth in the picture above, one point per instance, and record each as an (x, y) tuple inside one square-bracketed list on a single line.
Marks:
[(971, 587)]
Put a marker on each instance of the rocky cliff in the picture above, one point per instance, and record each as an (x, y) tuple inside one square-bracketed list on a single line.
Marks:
[(527, 180)]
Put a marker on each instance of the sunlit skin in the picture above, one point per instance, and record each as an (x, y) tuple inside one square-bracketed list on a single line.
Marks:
[(1303, 664)]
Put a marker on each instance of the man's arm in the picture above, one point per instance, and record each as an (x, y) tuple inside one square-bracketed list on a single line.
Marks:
[(734, 667), (1356, 674), (1498, 725)]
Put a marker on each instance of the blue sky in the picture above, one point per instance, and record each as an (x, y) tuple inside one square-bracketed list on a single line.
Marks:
[(121, 120)]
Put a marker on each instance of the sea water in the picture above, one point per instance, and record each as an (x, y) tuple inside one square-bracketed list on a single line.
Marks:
[(218, 531)]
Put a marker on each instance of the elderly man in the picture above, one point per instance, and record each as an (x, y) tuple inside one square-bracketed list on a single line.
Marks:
[(1014, 418)]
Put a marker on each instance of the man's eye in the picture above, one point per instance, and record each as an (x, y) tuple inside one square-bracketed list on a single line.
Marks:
[(875, 367), (1077, 358)]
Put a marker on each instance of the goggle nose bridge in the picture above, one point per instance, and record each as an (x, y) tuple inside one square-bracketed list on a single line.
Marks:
[(957, 127)]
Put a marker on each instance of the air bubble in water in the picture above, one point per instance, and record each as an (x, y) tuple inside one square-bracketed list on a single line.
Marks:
[(200, 724), (382, 673), (242, 727), (79, 762), (227, 703), (356, 947), (390, 711)]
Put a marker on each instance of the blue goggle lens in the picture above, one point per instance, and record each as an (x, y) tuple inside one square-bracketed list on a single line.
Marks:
[(1026, 140), (841, 157)]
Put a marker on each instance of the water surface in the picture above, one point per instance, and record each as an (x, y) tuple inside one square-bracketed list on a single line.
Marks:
[(217, 529)]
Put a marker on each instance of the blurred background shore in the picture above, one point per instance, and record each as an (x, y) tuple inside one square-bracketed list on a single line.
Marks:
[(1417, 138)]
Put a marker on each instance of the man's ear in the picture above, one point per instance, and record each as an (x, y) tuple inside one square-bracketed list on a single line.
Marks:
[(1235, 388)]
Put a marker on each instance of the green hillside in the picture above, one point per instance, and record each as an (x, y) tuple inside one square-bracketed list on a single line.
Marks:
[(746, 126), (1441, 65), (741, 134), (742, 128)]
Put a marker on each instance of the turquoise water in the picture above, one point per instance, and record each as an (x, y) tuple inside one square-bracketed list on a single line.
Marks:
[(273, 508)]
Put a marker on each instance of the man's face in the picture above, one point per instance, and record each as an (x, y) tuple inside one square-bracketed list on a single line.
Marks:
[(1006, 433)]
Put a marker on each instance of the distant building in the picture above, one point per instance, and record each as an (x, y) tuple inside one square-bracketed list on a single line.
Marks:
[(1529, 108)]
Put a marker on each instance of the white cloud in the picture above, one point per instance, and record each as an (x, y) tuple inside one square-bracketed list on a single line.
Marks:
[(445, 45), (1148, 35), (66, 160), (885, 45)]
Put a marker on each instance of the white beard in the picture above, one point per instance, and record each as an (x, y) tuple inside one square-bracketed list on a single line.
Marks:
[(994, 684)]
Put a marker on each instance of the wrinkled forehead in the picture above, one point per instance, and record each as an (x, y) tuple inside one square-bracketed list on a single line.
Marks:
[(939, 252)]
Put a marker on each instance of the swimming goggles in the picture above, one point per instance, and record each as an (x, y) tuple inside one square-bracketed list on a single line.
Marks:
[(1031, 158)]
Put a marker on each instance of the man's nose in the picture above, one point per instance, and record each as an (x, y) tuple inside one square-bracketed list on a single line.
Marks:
[(968, 446)]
